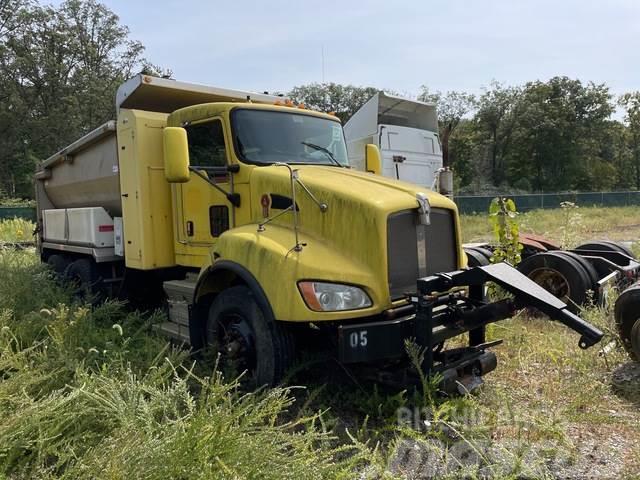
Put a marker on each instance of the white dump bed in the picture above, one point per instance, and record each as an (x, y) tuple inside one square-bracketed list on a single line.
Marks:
[(384, 109)]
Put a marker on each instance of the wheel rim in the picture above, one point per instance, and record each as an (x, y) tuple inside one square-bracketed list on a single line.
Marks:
[(236, 343), (553, 282)]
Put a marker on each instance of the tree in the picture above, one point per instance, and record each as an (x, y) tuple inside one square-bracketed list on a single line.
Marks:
[(631, 103), (494, 120), (59, 70), (343, 100), (558, 132), (452, 107)]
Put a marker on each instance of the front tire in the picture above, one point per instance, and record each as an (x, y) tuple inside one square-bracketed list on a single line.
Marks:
[(246, 339)]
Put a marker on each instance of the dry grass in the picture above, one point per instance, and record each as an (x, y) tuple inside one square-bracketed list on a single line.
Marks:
[(573, 225)]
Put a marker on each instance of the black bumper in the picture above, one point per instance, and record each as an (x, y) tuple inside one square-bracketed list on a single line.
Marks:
[(438, 316)]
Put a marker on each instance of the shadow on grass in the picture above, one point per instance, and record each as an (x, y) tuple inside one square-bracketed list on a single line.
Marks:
[(625, 382)]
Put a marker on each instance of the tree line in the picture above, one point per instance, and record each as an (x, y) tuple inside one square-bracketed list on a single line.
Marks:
[(557, 135), (60, 67)]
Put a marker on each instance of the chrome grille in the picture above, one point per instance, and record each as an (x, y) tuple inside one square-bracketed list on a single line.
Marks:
[(403, 232)]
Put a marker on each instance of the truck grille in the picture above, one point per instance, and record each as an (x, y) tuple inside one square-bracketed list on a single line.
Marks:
[(402, 247)]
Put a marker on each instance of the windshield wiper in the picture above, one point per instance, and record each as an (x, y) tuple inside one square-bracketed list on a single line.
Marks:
[(325, 150)]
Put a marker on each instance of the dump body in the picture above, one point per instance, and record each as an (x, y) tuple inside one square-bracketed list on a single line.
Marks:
[(405, 131), (84, 174)]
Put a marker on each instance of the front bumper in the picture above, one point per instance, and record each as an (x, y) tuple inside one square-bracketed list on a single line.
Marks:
[(439, 315)]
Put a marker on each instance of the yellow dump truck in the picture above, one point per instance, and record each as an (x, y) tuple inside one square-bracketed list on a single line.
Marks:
[(239, 212)]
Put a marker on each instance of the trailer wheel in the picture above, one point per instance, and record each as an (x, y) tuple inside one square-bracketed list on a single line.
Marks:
[(591, 272), (484, 251), (627, 315), (560, 275), (606, 246), (475, 258), (83, 275), (238, 331)]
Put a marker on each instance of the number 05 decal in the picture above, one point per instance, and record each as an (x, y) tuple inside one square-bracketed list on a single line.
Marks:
[(358, 339)]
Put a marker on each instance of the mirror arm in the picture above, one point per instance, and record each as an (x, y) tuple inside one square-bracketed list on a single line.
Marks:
[(234, 198)]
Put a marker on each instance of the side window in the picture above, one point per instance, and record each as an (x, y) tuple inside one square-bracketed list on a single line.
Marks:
[(206, 144)]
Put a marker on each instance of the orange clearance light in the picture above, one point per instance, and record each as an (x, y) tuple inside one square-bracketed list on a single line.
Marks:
[(301, 105), (333, 114), (288, 103)]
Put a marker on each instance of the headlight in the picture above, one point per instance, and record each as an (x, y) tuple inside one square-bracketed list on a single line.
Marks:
[(333, 297)]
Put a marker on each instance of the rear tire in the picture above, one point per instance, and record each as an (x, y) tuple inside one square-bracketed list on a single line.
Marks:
[(627, 315), (83, 274), (560, 275), (591, 272), (238, 330), (58, 264)]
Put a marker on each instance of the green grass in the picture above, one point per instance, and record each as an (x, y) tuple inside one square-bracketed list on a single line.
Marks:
[(94, 393), (16, 230)]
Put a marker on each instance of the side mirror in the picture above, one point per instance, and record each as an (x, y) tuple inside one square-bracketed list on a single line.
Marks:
[(176, 155), (373, 160)]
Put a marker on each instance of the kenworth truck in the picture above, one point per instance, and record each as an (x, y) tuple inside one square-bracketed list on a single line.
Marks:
[(239, 212)]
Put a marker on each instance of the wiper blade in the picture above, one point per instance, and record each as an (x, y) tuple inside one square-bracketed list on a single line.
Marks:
[(325, 150)]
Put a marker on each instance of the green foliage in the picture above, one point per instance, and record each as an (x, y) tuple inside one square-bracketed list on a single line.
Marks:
[(343, 100), (503, 217), (571, 225), (452, 108), (16, 230), (631, 103), (59, 70), (92, 393)]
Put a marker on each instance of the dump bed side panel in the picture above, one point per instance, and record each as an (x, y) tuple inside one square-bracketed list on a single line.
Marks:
[(146, 195), (84, 174)]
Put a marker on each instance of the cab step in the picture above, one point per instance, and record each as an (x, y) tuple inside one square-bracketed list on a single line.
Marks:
[(179, 297)]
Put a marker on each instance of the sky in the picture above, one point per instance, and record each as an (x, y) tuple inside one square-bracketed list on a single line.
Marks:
[(399, 45)]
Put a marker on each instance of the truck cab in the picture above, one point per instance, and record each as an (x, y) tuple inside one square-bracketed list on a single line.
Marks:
[(239, 213), (405, 131)]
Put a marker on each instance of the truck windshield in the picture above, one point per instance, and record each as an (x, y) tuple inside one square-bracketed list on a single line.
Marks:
[(267, 136)]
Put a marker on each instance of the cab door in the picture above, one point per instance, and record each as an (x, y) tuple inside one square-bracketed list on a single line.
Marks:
[(203, 211)]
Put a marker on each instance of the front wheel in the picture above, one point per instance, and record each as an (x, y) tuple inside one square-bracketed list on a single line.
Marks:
[(246, 340)]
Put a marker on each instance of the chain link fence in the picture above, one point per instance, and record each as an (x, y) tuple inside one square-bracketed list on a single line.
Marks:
[(28, 213), (480, 204), (470, 204)]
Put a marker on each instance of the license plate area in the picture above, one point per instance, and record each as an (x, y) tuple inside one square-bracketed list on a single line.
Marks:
[(366, 342)]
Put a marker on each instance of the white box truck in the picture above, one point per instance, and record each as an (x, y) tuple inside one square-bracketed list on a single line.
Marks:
[(406, 132)]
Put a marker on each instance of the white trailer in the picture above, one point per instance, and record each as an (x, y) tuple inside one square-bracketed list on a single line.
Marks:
[(405, 131)]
